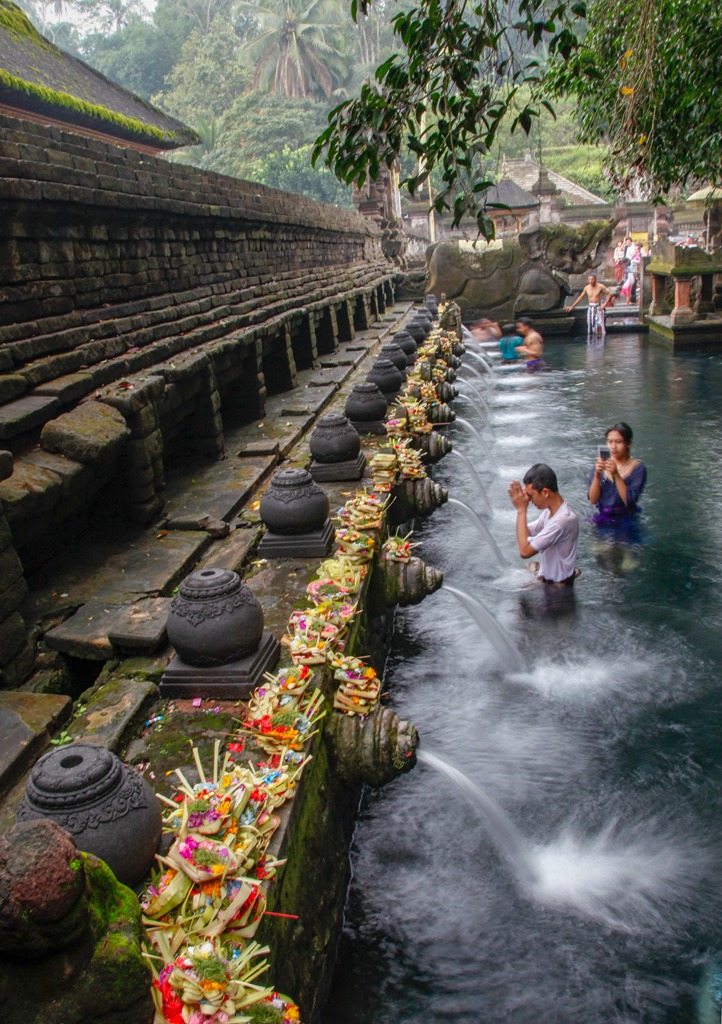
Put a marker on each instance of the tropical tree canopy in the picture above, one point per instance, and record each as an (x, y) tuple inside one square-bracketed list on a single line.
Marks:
[(644, 74), (646, 78), (296, 50), (445, 94)]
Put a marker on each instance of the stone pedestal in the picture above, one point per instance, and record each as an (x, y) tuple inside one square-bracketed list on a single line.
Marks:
[(313, 544), (233, 681), (349, 469)]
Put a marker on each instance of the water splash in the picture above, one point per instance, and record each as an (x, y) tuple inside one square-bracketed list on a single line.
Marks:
[(483, 530), (626, 877), (504, 834), (510, 656)]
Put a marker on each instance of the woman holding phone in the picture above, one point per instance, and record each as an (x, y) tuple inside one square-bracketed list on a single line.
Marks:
[(617, 479)]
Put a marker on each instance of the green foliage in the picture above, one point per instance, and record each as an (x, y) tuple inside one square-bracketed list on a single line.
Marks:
[(138, 56), (207, 77), (585, 165), (647, 83), (292, 171), (446, 94), (258, 125), (296, 52)]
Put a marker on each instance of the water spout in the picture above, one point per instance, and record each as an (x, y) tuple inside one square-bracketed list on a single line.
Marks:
[(475, 431), (486, 622), (483, 530), (507, 839), (474, 369), (487, 366), (472, 469), (463, 380)]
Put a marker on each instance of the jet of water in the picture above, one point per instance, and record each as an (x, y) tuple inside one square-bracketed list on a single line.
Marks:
[(504, 834), (477, 478), (483, 529), (470, 426), (510, 656), (488, 367), (463, 380)]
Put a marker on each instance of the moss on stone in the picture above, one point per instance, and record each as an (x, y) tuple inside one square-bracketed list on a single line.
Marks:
[(56, 98)]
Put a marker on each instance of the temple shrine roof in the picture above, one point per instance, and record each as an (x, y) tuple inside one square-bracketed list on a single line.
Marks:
[(38, 81), (526, 173)]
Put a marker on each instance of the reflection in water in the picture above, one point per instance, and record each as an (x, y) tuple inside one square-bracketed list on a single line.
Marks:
[(603, 750)]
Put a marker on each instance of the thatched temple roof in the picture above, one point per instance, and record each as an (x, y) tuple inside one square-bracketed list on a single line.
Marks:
[(38, 80)]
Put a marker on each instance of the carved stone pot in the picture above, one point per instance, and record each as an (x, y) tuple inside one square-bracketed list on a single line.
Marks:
[(366, 408), (396, 354), (215, 619), (406, 343), (334, 439), (387, 378), (293, 503), (108, 808), (432, 305), (417, 330)]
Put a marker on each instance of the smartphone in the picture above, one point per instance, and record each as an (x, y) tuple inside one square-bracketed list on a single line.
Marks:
[(604, 452)]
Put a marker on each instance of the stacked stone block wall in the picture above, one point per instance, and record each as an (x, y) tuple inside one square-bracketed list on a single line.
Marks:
[(143, 306)]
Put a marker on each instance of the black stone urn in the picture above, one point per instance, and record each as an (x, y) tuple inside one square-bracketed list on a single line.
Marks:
[(424, 313), (396, 354), (336, 449), (406, 343), (418, 330), (334, 439), (215, 619), (386, 377), (366, 408), (108, 808), (431, 303), (293, 503)]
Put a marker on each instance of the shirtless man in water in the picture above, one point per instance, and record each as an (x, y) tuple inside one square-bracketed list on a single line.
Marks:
[(533, 347), (595, 313)]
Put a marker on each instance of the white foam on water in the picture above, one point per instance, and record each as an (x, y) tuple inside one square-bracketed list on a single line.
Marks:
[(582, 677), (626, 877), (502, 418)]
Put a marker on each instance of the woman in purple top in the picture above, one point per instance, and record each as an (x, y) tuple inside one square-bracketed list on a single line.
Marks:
[(616, 483)]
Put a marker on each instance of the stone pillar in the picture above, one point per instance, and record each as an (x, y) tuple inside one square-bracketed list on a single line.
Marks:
[(705, 303), (17, 652), (659, 305), (682, 312), (143, 477)]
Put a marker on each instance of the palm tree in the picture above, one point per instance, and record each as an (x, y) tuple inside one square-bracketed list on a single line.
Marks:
[(296, 52)]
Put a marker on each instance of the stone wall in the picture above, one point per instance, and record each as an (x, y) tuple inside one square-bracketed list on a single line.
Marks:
[(143, 306)]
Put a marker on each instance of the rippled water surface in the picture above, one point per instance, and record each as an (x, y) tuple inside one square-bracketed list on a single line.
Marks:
[(601, 754)]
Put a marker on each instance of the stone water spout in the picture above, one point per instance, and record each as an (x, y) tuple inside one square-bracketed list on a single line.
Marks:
[(409, 582), (415, 498), (374, 749), (433, 446)]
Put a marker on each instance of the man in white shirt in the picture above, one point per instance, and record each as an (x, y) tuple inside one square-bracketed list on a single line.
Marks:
[(554, 534)]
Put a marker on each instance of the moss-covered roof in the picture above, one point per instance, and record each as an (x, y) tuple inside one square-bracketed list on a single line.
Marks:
[(37, 77)]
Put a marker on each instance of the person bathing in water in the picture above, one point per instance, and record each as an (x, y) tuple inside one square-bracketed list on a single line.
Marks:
[(554, 534), (533, 347), (595, 311)]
